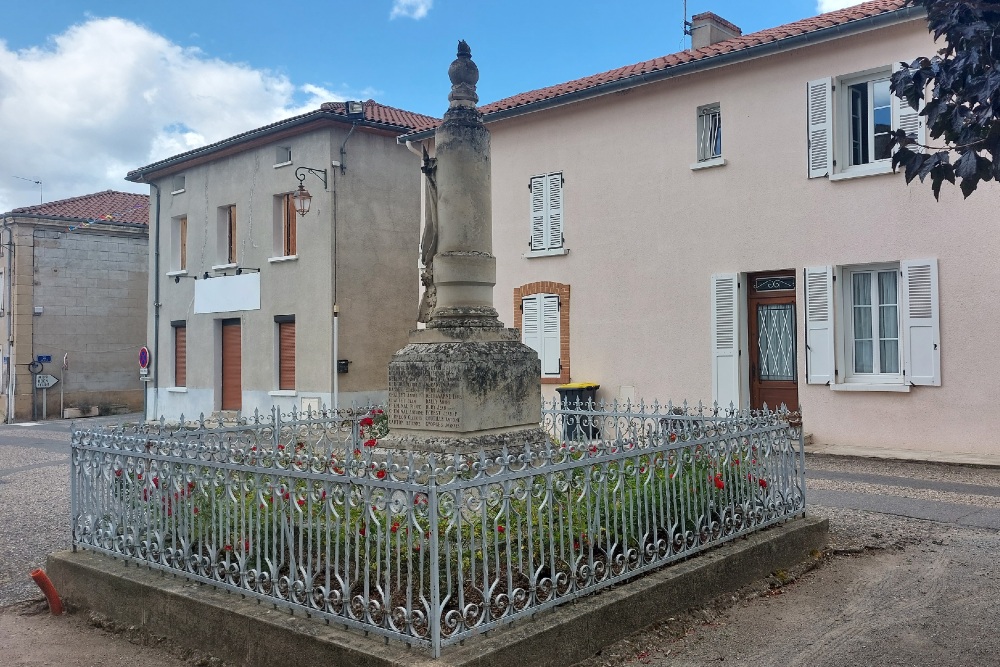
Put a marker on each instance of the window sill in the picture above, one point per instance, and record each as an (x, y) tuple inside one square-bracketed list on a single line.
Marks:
[(177, 390), (282, 164), (285, 258), (858, 386), (283, 392), (177, 192), (708, 164), (224, 267), (861, 172), (174, 274), (551, 252)]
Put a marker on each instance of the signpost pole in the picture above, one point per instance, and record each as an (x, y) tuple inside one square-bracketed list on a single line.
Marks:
[(45, 404)]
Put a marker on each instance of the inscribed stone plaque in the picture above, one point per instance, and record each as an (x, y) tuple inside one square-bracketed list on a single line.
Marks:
[(425, 399)]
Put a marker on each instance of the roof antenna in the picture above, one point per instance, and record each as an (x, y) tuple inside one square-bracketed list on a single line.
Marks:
[(38, 183), (687, 24)]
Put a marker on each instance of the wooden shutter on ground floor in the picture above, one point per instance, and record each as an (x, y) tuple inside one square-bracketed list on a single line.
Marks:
[(820, 356), (286, 352), (921, 328), (725, 340), (531, 330), (180, 354), (232, 365)]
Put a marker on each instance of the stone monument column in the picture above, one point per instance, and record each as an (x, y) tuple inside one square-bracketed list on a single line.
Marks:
[(466, 382)]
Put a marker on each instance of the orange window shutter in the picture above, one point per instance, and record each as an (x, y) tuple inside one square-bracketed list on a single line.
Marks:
[(286, 355), (180, 356), (184, 236), (232, 234), (290, 225), (232, 365)]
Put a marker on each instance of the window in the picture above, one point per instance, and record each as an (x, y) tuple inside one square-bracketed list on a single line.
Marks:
[(541, 311), (178, 243), (286, 351), (546, 215), (282, 156), (285, 223), (878, 327), (874, 321), (227, 235), (177, 184), (709, 132), (851, 120), (180, 353)]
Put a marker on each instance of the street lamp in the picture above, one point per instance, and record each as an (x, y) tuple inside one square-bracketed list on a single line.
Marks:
[(301, 196)]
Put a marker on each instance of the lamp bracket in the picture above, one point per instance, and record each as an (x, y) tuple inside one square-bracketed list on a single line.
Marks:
[(300, 173)]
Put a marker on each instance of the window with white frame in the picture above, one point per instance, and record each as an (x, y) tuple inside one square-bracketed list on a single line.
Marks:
[(709, 132), (540, 330), (873, 325), (282, 156), (546, 213), (851, 120), (177, 184)]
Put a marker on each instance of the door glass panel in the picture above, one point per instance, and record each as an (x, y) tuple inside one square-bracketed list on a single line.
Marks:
[(776, 341)]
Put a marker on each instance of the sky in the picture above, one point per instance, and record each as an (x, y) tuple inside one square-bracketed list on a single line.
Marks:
[(91, 89)]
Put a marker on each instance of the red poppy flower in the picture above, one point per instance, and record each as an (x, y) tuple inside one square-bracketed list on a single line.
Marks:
[(673, 437), (118, 473), (763, 483), (361, 531), (394, 527), (371, 442), (195, 510), (367, 421), (501, 529), (228, 547), (719, 484), (301, 502), (138, 476), (377, 411), (380, 474)]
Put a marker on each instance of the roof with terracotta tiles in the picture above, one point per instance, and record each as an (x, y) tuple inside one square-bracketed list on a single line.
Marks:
[(386, 115), (744, 42), (376, 115), (107, 206)]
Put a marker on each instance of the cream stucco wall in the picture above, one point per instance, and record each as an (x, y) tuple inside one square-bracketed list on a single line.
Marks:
[(371, 264), (646, 232)]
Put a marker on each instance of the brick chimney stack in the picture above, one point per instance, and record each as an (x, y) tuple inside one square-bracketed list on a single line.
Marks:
[(708, 28)]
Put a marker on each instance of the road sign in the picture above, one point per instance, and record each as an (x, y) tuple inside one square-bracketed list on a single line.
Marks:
[(144, 357), (143, 372), (45, 381), (45, 358)]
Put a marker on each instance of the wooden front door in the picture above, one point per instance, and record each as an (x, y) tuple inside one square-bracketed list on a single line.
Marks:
[(772, 340), (232, 364)]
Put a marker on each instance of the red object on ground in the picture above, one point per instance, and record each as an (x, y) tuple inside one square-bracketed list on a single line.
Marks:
[(55, 604)]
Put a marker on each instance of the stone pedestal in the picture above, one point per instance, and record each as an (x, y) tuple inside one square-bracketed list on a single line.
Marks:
[(464, 389)]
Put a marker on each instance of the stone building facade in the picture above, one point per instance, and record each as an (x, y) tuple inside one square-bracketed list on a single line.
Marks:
[(74, 290)]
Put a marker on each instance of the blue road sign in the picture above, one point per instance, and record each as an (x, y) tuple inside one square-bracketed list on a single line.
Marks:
[(45, 358)]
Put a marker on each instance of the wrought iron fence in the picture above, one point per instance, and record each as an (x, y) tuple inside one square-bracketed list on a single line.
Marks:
[(296, 511)]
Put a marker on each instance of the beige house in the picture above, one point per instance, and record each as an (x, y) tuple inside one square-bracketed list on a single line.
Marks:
[(252, 299), (722, 224), (73, 301)]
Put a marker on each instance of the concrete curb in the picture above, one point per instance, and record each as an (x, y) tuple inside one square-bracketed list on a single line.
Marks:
[(243, 632), (947, 458)]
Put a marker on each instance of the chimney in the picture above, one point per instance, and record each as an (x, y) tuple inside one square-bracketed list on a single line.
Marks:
[(708, 28)]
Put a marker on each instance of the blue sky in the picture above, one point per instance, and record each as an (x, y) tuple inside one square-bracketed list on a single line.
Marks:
[(91, 89)]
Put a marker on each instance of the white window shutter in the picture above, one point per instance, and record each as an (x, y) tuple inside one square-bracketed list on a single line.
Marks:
[(819, 113), (539, 231), (820, 357), (725, 340), (531, 329), (555, 210), (550, 335), (921, 329), (906, 119)]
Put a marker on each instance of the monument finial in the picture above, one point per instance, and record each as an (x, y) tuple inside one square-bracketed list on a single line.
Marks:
[(464, 76)]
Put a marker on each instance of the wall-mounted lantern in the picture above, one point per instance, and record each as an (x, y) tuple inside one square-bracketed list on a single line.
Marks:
[(301, 196)]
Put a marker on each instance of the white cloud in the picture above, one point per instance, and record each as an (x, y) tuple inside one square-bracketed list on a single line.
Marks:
[(832, 5), (108, 95), (413, 9)]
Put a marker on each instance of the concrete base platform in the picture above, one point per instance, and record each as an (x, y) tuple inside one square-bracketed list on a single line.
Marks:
[(244, 632)]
